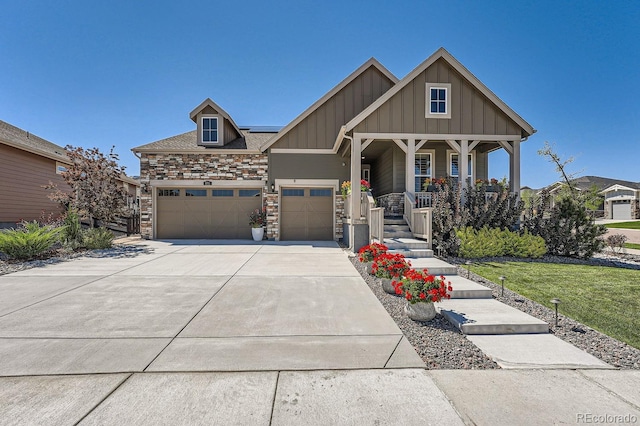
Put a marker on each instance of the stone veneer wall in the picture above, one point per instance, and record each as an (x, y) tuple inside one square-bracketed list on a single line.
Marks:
[(339, 216), (273, 217), (205, 166)]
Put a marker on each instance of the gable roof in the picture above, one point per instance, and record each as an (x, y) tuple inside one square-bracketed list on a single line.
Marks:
[(455, 64), (187, 143), (209, 103), (603, 184), (372, 62), (26, 141)]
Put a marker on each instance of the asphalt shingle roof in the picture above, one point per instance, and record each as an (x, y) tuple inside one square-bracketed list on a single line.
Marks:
[(22, 138), (189, 141)]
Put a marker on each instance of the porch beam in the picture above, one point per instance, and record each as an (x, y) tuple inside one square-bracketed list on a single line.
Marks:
[(421, 143), (515, 164), (438, 136), (473, 144), (356, 173), (366, 143), (506, 146), (463, 163), (410, 181), (454, 145), (401, 144)]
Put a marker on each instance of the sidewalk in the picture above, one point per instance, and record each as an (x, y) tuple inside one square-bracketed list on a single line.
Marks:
[(197, 332)]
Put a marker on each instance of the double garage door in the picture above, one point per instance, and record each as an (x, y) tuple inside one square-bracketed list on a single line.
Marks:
[(206, 213), (305, 213)]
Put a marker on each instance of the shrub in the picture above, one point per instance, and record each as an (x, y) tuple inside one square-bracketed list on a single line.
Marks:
[(616, 242), (28, 240), (72, 234), (390, 265), (493, 242), (566, 228), (457, 208), (371, 251), (97, 238)]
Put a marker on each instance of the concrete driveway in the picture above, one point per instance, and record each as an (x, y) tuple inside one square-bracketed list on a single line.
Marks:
[(195, 332)]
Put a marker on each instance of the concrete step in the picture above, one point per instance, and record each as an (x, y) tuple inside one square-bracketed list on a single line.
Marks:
[(413, 253), (405, 243), (544, 351), (398, 234), (433, 266), (467, 289), (488, 316), (394, 221)]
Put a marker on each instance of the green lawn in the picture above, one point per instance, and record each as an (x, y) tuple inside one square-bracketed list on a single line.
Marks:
[(624, 225), (632, 246), (606, 299)]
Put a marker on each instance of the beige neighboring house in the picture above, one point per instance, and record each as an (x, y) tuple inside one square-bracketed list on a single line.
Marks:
[(27, 164), (437, 121), (622, 200)]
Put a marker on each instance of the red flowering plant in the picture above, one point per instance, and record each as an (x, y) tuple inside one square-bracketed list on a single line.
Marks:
[(419, 286), (390, 265), (258, 218), (346, 187), (371, 251)]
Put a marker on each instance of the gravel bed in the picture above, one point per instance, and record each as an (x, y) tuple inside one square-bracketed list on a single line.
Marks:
[(606, 348), (439, 344)]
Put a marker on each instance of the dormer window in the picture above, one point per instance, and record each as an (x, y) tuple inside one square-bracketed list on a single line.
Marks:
[(210, 130), (438, 99)]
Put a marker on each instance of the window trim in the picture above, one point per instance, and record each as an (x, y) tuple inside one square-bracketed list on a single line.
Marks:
[(60, 165), (432, 153), (219, 141), (450, 154), (427, 103)]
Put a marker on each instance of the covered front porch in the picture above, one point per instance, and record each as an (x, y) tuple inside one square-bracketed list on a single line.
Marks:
[(399, 168)]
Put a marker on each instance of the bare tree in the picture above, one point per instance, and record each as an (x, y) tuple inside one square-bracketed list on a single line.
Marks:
[(96, 191)]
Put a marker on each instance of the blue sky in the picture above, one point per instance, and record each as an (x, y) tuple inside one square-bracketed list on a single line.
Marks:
[(126, 73)]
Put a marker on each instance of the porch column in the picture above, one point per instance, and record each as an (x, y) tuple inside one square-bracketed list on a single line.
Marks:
[(410, 175), (515, 168), (463, 163), (356, 173)]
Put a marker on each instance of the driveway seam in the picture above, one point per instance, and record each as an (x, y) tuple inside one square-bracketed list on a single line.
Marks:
[(104, 399), (610, 391), (99, 277), (199, 310), (393, 352), (273, 403)]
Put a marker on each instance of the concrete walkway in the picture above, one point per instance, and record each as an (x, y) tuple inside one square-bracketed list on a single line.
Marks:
[(195, 332)]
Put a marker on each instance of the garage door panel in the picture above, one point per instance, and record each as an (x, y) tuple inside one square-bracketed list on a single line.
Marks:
[(197, 213), (621, 210), (306, 214)]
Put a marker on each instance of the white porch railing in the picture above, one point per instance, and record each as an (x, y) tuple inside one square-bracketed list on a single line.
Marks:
[(375, 219), (364, 205), (417, 217), (424, 199)]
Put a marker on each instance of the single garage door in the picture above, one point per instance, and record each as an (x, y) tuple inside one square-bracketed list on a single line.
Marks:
[(205, 213), (621, 209), (306, 214)]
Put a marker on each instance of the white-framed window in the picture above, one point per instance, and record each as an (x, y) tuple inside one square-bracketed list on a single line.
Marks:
[(423, 169), (454, 166), (60, 168), (438, 100), (210, 130)]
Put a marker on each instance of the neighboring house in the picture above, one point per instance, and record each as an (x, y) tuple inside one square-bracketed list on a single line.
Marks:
[(439, 120), (620, 198), (27, 164)]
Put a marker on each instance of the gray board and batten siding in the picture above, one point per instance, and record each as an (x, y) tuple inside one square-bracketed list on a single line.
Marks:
[(319, 129), (472, 112)]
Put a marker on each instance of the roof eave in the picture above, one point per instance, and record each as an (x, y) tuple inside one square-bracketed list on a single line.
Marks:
[(371, 62), (36, 151)]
